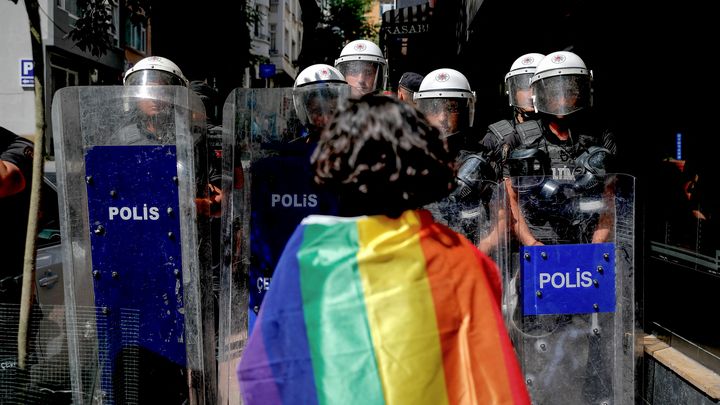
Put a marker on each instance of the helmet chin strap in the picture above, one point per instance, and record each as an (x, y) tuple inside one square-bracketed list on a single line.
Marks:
[(449, 135), (525, 115)]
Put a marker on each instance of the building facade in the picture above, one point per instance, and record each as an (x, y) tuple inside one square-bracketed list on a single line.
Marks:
[(65, 63), (276, 40)]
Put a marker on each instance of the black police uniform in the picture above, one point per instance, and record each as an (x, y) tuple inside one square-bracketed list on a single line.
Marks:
[(14, 216), (466, 210)]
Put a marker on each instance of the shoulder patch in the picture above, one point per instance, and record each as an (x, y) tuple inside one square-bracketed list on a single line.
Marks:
[(29, 152)]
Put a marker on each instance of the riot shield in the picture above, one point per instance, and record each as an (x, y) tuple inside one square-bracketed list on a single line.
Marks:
[(472, 208), (268, 189), (132, 181), (568, 302)]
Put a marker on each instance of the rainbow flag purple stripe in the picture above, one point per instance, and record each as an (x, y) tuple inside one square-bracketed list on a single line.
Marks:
[(374, 310)]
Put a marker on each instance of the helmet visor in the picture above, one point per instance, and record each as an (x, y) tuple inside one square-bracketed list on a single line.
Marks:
[(449, 115), (363, 76), (153, 78), (316, 104), (518, 88), (562, 94)]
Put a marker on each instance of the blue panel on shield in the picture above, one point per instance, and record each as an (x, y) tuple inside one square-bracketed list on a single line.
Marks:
[(283, 193), (136, 255), (568, 279)]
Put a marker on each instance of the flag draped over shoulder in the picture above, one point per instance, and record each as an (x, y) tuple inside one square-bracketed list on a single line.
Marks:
[(374, 310)]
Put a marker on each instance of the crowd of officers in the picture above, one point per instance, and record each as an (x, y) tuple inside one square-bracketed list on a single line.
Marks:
[(552, 144)]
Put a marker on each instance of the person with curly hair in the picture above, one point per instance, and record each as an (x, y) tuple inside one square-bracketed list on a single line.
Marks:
[(381, 158), (381, 304)]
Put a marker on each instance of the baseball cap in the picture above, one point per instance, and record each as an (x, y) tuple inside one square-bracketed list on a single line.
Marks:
[(411, 81)]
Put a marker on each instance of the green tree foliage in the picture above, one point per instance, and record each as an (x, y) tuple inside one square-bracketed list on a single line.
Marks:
[(93, 32), (327, 31), (349, 17)]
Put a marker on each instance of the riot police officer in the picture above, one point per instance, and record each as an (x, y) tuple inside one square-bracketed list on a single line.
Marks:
[(364, 67), (151, 116), (316, 93), (559, 194), (517, 87), (448, 103), (563, 156), (282, 189)]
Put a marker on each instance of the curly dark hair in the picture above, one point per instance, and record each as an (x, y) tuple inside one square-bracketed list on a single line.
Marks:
[(382, 157)]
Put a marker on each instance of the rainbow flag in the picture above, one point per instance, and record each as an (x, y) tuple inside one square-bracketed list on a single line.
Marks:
[(374, 310)]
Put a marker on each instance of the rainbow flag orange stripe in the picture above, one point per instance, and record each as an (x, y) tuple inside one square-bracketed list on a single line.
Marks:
[(374, 310)]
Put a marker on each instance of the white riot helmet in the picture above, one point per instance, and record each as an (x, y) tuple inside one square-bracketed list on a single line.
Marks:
[(364, 67), (317, 92), (517, 80), (561, 84), (446, 91), (155, 70)]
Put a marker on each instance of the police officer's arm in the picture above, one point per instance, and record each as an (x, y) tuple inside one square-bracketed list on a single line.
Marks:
[(12, 180), (519, 226), (606, 222), (15, 155)]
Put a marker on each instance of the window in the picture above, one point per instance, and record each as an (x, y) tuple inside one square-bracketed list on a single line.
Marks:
[(273, 37), (258, 14), (135, 35), (273, 6), (71, 6), (62, 77), (286, 42), (48, 217), (116, 22)]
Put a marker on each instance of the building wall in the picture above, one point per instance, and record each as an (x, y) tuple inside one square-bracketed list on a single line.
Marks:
[(63, 59), (17, 104), (663, 386), (285, 16)]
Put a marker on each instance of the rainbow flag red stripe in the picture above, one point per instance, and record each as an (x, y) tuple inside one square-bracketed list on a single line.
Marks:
[(374, 310)]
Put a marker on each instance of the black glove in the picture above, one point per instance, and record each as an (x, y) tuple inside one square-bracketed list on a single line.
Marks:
[(474, 174)]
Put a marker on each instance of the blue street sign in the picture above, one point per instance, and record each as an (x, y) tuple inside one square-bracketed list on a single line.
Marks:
[(267, 70), (27, 73), (568, 279)]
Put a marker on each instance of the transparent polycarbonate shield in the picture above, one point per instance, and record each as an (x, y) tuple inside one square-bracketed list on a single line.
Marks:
[(568, 299), (132, 183), (473, 215), (267, 189)]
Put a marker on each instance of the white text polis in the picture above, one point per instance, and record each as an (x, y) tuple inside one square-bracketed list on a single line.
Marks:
[(566, 280), (143, 213), (294, 200)]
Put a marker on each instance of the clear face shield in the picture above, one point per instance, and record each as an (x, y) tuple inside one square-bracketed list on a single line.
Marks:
[(153, 78), (363, 76), (316, 104), (518, 89), (562, 95), (449, 115)]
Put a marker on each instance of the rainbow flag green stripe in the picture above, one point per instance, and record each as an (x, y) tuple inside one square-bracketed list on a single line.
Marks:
[(346, 349), (375, 310)]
